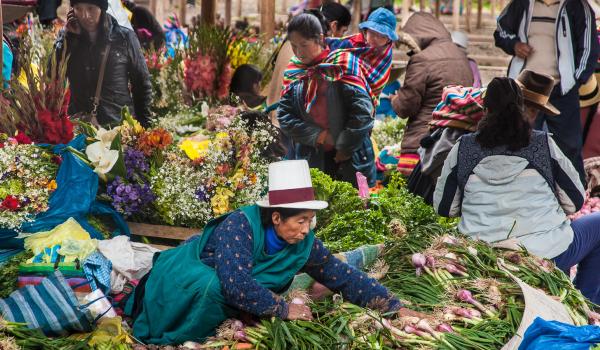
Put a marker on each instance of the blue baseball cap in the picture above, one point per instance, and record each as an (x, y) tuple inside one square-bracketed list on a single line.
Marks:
[(382, 21)]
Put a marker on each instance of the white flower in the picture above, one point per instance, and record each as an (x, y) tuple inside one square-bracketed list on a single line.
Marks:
[(106, 136), (204, 109), (102, 158)]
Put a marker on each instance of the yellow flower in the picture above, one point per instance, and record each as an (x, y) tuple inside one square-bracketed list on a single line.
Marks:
[(195, 149), (220, 201), (238, 178), (52, 185)]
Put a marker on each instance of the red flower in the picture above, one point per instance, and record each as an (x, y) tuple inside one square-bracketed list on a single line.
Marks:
[(223, 169), (23, 139), (56, 159), (10, 203), (57, 129), (224, 81)]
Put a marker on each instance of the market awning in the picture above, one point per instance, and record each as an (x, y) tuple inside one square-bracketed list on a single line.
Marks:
[(15, 9)]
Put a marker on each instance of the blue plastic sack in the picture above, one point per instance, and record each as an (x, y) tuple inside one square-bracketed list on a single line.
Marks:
[(74, 197), (554, 335)]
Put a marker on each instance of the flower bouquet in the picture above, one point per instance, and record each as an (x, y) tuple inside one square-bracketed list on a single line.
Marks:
[(38, 108), (27, 179), (189, 182)]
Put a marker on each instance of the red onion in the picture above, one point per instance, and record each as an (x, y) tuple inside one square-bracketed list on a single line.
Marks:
[(418, 260), (240, 335), (297, 301), (413, 330), (425, 326), (453, 269), (466, 296), (444, 328), (451, 240), (430, 261), (237, 325)]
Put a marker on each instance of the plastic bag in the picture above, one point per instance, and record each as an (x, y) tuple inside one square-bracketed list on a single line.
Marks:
[(553, 335), (39, 242), (75, 198)]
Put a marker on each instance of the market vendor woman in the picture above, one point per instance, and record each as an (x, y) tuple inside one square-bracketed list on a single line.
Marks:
[(242, 261)]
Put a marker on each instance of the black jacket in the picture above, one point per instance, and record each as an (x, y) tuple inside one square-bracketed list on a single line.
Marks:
[(126, 65)]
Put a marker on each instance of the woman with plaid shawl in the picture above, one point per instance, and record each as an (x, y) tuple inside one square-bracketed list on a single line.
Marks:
[(328, 100)]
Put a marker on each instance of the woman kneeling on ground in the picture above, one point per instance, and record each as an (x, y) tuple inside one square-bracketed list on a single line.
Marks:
[(242, 261), (509, 182)]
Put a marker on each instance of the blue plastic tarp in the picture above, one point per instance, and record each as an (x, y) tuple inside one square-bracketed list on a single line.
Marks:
[(74, 197), (554, 335)]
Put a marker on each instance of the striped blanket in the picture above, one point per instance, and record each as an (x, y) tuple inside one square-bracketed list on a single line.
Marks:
[(364, 67), (460, 108)]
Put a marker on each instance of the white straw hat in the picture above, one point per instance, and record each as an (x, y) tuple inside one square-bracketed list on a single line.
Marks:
[(290, 186)]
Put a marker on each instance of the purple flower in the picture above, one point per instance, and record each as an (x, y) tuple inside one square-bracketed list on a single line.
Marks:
[(135, 163), (201, 194), (129, 198)]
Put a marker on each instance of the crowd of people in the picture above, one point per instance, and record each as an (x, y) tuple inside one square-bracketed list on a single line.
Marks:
[(508, 160)]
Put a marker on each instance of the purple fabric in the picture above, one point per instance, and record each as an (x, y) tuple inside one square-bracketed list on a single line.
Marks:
[(585, 251), (476, 74)]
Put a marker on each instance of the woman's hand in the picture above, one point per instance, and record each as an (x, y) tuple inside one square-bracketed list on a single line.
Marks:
[(72, 23), (299, 312)]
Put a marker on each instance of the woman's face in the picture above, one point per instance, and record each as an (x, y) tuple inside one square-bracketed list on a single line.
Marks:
[(307, 50), (88, 16), (375, 39), (295, 228), (337, 30)]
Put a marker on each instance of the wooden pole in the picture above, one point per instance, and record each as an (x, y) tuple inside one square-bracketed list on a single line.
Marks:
[(479, 13), (227, 13), (493, 8), (356, 15), (267, 19), (284, 7), (182, 12), (239, 9), (437, 8), (207, 12), (468, 15), (456, 14), (421, 5), (405, 11)]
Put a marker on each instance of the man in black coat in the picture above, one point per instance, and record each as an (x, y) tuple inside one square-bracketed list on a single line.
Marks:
[(88, 33)]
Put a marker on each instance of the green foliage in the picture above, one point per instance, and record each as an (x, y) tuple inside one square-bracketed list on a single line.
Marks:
[(341, 196), (9, 272), (389, 132), (353, 229)]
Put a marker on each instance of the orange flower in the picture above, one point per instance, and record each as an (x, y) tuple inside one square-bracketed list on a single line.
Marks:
[(154, 139)]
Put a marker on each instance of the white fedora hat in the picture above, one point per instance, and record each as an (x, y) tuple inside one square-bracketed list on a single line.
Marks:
[(290, 186)]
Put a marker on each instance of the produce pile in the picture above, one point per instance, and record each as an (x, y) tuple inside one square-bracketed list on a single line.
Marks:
[(472, 302)]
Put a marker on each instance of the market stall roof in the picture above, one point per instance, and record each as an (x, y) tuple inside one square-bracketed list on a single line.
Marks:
[(15, 9)]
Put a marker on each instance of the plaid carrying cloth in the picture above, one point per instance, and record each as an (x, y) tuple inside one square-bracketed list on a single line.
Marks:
[(50, 306), (460, 108), (363, 67)]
